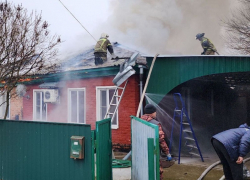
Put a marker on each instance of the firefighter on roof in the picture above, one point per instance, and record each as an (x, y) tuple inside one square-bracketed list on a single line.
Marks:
[(207, 45), (101, 48)]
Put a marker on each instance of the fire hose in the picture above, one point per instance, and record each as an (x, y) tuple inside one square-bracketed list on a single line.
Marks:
[(214, 165), (208, 169)]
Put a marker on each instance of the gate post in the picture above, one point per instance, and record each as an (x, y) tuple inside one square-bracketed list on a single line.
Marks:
[(93, 154)]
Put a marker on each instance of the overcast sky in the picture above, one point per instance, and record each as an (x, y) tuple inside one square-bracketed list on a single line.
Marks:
[(150, 26), (90, 13)]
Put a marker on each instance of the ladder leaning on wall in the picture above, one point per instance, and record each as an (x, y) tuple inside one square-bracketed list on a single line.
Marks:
[(185, 128), (115, 101), (125, 72)]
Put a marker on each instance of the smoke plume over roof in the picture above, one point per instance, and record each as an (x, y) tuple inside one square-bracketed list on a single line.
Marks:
[(169, 26), (165, 26)]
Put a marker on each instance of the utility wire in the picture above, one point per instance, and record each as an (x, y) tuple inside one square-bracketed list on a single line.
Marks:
[(77, 20)]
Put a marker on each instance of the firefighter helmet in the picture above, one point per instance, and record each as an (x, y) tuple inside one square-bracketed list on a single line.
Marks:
[(200, 35), (104, 35)]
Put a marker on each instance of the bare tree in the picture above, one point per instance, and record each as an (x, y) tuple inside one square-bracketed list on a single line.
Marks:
[(238, 29), (26, 47)]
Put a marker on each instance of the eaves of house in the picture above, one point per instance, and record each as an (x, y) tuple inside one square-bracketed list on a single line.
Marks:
[(74, 74)]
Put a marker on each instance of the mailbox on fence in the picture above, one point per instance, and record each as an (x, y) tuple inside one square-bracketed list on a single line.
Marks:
[(77, 147)]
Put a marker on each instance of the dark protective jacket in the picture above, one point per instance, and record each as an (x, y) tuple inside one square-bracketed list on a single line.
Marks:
[(207, 45), (163, 144), (102, 45), (236, 141)]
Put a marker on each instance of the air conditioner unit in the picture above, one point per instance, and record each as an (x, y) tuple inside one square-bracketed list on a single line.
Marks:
[(50, 95)]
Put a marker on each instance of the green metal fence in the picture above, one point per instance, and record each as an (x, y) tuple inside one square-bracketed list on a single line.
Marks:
[(103, 150), (145, 150), (41, 150)]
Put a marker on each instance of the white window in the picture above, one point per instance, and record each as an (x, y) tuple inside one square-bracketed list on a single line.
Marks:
[(76, 105), (103, 98), (39, 107), (3, 104)]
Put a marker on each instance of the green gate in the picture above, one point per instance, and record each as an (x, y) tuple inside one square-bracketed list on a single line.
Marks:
[(145, 150), (41, 151), (103, 150)]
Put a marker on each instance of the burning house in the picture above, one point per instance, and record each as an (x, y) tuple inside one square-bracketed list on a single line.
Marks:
[(214, 89), (81, 93)]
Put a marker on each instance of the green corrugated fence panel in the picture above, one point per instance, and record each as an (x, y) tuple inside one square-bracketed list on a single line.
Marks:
[(169, 72), (93, 153), (103, 150), (40, 150), (151, 169), (141, 169)]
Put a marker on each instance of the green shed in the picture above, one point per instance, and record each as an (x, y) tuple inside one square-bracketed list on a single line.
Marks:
[(215, 90)]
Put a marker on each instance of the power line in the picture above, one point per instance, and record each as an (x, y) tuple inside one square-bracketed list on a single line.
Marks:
[(78, 21)]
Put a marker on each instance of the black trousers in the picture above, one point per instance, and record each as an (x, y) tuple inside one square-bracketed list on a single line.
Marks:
[(100, 58), (231, 169)]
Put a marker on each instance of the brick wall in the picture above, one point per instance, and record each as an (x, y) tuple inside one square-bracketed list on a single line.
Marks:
[(58, 112), (16, 107)]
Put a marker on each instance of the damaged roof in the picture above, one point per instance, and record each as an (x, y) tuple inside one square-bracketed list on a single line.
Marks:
[(86, 60)]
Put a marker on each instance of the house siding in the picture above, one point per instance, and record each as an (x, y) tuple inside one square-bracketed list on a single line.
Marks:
[(58, 112)]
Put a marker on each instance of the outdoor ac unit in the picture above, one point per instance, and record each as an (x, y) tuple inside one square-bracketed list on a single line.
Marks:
[(50, 95)]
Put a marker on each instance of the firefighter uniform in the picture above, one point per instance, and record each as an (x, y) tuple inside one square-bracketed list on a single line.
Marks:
[(207, 45), (101, 48)]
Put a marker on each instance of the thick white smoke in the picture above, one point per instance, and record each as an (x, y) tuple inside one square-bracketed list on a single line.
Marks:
[(164, 26), (169, 26)]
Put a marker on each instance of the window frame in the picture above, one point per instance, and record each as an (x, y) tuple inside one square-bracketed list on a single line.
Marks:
[(69, 106), (35, 91), (4, 106), (98, 104)]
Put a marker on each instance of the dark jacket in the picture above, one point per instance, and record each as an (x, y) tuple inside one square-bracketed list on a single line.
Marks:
[(236, 141)]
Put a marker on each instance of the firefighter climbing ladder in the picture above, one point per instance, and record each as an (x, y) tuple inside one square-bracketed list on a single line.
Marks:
[(115, 101), (185, 128)]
